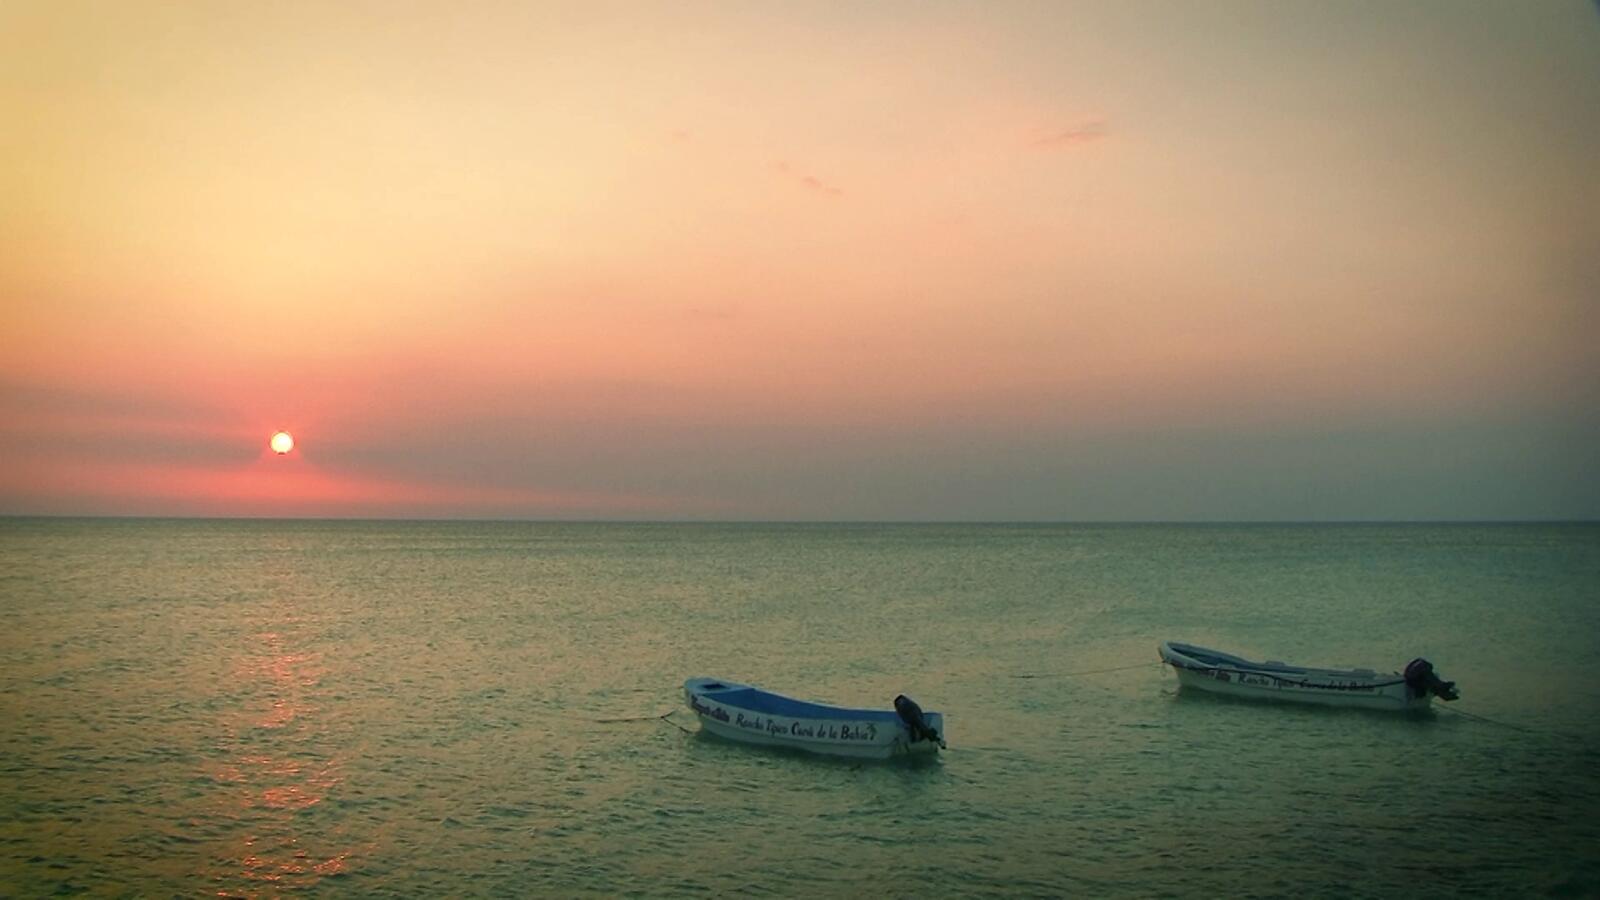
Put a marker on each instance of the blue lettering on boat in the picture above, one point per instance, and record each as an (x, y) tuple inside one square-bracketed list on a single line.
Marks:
[(718, 713)]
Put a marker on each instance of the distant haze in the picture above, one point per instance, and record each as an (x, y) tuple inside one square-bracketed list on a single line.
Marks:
[(1060, 261)]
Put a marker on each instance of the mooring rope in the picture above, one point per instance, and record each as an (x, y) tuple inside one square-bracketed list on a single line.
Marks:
[(663, 717), (1461, 712), (633, 718), (1088, 672)]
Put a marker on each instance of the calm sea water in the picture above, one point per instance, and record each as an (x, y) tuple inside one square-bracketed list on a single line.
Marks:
[(419, 709)]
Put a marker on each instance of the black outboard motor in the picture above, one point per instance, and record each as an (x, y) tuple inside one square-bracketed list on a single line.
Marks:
[(1422, 681), (911, 714)]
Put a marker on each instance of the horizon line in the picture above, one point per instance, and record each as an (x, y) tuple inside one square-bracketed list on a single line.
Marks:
[(798, 521)]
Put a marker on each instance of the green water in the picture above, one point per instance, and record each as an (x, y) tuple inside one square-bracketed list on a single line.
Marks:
[(412, 709)]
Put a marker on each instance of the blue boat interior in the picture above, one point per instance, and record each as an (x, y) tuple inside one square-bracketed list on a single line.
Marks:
[(769, 704)]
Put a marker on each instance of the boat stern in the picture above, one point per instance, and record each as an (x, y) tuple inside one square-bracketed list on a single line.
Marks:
[(1426, 684)]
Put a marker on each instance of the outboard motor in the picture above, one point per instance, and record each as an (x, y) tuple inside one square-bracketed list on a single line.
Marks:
[(1422, 681), (911, 714)]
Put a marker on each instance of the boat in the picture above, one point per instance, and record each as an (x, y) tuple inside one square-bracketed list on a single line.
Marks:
[(1223, 673), (743, 713)]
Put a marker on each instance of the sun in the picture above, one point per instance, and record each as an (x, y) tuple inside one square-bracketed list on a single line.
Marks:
[(281, 443)]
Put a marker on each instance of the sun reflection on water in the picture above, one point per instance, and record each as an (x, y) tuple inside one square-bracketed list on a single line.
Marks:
[(277, 768)]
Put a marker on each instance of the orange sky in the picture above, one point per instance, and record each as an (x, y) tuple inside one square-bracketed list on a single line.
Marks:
[(1036, 261)]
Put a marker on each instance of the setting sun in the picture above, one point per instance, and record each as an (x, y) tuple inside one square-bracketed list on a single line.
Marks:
[(282, 443)]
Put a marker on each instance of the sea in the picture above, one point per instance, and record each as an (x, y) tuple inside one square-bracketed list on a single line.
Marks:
[(236, 708)]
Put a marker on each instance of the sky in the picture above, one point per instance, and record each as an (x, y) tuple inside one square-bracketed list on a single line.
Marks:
[(1060, 261)]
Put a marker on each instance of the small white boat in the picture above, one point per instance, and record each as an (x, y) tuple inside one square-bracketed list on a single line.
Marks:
[(1224, 673), (744, 713)]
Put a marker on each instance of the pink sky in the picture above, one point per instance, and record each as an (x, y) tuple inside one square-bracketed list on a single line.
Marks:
[(767, 261)]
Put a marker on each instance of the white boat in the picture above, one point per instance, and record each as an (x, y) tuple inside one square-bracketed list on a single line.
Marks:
[(744, 713), (1224, 673)]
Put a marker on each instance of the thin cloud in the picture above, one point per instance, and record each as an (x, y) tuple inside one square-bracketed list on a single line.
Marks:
[(809, 182), (1084, 133)]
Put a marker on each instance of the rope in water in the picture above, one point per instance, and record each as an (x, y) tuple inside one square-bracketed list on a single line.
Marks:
[(1576, 739), (633, 718), (663, 717), (1461, 712), (1087, 672), (668, 719)]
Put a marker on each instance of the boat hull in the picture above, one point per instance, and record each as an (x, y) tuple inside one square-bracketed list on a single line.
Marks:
[(751, 716), (1219, 673)]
